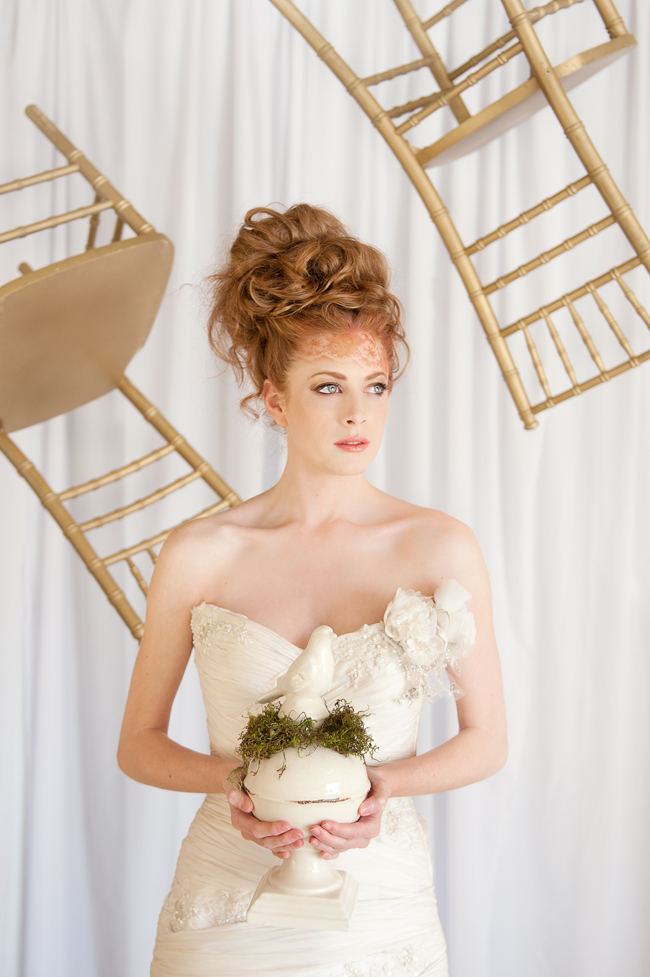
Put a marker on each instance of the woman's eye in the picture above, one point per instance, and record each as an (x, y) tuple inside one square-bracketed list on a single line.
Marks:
[(378, 388), (328, 388)]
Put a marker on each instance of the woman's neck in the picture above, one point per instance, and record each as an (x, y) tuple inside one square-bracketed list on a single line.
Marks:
[(313, 499)]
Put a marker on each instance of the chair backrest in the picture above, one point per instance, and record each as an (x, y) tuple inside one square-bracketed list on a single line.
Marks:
[(464, 130), (534, 359), (67, 332), (69, 329)]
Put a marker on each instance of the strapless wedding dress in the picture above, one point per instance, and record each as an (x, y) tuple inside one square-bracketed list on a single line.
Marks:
[(386, 669)]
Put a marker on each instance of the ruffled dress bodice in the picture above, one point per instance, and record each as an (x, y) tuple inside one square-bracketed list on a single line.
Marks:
[(387, 670)]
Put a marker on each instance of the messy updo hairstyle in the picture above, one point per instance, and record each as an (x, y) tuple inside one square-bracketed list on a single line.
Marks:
[(290, 275)]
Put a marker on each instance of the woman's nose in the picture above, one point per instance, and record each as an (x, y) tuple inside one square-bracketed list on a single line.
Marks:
[(354, 413)]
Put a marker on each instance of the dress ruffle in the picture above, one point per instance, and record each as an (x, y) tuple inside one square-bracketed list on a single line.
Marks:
[(432, 634)]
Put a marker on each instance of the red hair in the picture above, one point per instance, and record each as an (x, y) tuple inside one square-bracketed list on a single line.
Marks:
[(290, 275)]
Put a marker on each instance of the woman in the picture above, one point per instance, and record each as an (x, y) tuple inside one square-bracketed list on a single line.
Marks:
[(303, 311)]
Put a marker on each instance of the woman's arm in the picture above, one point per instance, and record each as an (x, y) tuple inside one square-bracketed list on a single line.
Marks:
[(479, 749), (145, 752)]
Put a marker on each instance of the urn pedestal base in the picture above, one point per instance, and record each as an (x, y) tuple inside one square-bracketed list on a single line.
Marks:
[(304, 789), (273, 906)]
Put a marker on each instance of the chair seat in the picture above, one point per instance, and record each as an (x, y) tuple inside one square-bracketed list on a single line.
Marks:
[(519, 104), (68, 331)]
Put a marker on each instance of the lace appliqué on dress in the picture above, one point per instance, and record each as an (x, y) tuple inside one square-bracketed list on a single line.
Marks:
[(403, 962), (401, 822), (430, 634), (192, 909), (206, 627), (366, 653), (419, 637)]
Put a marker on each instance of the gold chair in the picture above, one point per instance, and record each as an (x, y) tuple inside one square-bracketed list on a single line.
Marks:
[(587, 306), (67, 332)]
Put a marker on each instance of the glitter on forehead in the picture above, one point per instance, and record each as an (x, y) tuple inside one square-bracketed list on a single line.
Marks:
[(356, 344)]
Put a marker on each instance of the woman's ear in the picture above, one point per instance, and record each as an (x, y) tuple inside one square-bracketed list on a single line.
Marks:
[(274, 403)]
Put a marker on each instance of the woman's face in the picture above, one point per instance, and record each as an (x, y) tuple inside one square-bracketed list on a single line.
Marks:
[(334, 401)]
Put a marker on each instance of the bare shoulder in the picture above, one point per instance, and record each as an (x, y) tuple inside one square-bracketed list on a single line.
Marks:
[(439, 547), (201, 548), (454, 542)]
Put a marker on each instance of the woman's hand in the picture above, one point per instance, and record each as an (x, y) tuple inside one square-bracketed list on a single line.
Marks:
[(332, 837), (276, 836)]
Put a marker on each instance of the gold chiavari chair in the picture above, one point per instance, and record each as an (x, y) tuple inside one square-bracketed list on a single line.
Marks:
[(67, 332), (588, 308)]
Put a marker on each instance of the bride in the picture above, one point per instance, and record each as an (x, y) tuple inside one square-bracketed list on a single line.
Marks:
[(302, 312)]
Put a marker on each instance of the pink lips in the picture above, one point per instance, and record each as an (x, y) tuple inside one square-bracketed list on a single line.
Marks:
[(353, 444)]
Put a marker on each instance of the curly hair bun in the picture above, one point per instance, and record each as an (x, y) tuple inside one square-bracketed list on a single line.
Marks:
[(289, 275)]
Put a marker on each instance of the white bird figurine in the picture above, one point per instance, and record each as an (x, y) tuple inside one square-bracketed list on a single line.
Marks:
[(308, 678)]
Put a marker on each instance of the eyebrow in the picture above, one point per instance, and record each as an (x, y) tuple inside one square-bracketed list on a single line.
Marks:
[(342, 376)]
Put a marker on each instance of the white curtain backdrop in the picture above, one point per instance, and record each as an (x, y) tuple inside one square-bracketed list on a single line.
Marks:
[(198, 110)]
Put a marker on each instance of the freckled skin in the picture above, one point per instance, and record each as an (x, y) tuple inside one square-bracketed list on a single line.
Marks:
[(363, 347), (334, 393)]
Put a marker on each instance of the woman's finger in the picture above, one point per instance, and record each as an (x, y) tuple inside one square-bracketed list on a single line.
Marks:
[(277, 837), (240, 800), (331, 843), (375, 802), (325, 850), (274, 834)]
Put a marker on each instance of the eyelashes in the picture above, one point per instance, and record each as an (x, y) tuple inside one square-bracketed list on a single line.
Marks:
[(330, 388)]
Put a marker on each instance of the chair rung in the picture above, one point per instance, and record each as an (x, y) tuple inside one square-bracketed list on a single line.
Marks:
[(444, 12), (585, 336), (402, 69), (151, 413), (481, 55), (116, 473), (137, 576), (546, 256), (96, 179), (416, 103), (577, 293), (147, 544), (44, 177), (119, 228), (632, 299), (613, 324), (443, 98), (142, 503), (580, 388), (527, 215), (70, 215), (535, 14)]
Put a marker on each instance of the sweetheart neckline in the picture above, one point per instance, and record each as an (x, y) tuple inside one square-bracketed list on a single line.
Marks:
[(345, 634), (276, 634)]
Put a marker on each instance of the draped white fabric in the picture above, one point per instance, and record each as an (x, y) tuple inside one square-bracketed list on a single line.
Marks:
[(197, 111)]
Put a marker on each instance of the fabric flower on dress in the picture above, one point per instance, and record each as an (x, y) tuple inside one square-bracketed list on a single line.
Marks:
[(432, 633)]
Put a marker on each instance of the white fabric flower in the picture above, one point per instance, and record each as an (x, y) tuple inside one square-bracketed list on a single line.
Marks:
[(411, 620), (432, 633), (456, 621), (462, 630), (450, 596)]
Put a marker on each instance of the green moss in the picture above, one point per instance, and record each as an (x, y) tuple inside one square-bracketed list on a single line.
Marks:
[(269, 733), (344, 731)]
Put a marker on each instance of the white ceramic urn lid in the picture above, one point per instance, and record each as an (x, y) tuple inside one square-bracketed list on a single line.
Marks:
[(309, 775)]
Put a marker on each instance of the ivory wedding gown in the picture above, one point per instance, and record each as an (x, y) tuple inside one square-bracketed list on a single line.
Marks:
[(387, 669)]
